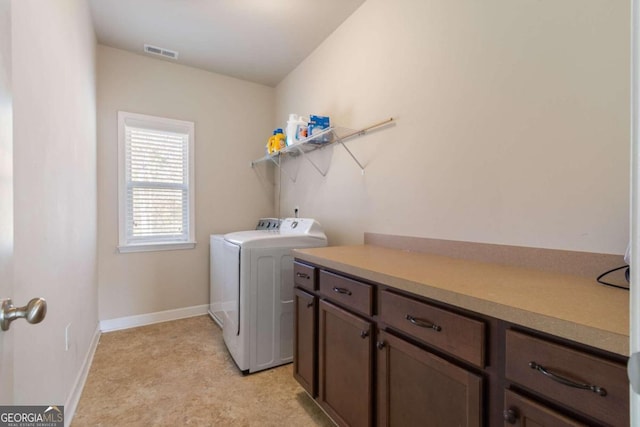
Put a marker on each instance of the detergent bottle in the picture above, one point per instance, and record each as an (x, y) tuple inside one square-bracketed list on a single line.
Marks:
[(292, 126), (270, 144), (296, 129), (276, 142), (279, 141), (302, 128)]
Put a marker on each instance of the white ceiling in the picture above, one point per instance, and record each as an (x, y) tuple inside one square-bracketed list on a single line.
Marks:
[(255, 40)]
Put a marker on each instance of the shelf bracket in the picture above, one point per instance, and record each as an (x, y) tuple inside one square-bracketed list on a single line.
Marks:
[(316, 167), (288, 175), (352, 156), (362, 132)]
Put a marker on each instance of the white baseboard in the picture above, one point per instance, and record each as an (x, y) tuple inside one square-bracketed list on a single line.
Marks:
[(73, 399), (150, 318)]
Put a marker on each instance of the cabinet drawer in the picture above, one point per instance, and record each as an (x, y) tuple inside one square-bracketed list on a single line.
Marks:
[(453, 333), (304, 276), (524, 412), (351, 293), (584, 382)]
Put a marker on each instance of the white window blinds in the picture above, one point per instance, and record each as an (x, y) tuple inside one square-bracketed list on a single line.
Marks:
[(157, 195), (157, 185)]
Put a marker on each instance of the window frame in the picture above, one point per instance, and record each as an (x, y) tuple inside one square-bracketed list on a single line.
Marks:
[(126, 119)]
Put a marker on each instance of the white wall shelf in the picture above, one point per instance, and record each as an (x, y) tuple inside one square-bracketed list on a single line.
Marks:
[(326, 138)]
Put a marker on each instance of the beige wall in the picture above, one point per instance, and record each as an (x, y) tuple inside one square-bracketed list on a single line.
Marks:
[(54, 193), (233, 120), (512, 123)]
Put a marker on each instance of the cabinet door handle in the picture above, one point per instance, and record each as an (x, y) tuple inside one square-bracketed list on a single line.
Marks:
[(341, 290), (380, 345), (566, 381), (310, 304), (423, 323), (364, 334), (510, 415), (303, 275)]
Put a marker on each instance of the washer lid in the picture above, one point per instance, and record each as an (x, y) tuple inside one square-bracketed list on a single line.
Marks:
[(241, 237)]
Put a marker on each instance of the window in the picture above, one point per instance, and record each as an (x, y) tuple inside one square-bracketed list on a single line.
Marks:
[(155, 195)]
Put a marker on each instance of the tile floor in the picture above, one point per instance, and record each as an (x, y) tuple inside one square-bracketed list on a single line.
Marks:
[(180, 373)]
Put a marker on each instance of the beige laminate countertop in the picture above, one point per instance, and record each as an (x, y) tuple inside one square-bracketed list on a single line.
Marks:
[(572, 307)]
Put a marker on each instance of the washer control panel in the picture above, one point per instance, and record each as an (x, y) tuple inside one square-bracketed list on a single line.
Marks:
[(268, 224), (300, 226)]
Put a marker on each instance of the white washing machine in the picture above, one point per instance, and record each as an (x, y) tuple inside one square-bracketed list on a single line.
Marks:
[(257, 277), (221, 298)]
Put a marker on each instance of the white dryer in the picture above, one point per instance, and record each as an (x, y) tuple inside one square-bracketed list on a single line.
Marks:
[(220, 297), (258, 275)]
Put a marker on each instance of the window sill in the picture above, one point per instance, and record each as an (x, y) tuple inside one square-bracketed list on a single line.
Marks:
[(152, 247)]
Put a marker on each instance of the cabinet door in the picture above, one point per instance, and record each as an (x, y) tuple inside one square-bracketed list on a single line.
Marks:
[(305, 341), (346, 367), (417, 388), (523, 412)]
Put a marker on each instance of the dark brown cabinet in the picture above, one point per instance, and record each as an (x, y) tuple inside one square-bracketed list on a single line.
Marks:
[(458, 335), (345, 366), (355, 295), (305, 341), (304, 276), (416, 387), (520, 411), (373, 355), (574, 379)]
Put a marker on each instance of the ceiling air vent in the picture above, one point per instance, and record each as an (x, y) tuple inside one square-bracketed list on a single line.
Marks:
[(154, 50)]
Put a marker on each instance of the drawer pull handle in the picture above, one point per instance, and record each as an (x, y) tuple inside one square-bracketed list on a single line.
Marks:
[(423, 323), (341, 290), (562, 380), (303, 275)]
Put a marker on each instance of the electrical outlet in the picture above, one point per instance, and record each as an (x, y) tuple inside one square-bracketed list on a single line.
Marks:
[(67, 337)]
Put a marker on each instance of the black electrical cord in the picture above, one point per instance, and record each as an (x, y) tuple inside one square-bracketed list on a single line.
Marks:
[(626, 275)]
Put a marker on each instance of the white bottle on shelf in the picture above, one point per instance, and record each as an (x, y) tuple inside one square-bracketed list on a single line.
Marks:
[(302, 129), (292, 127), (296, 129)]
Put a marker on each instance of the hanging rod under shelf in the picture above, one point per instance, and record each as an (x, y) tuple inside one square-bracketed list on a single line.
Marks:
[(367, 129)]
